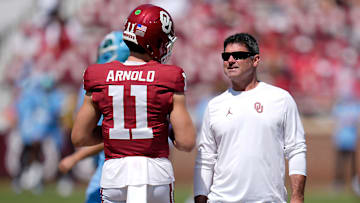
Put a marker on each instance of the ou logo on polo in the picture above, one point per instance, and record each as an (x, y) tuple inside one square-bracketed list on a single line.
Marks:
[(258, 107)]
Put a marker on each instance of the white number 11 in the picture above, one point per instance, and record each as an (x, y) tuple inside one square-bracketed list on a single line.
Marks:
[(142, 131)]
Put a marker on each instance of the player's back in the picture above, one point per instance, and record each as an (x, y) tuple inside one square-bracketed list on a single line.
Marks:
[(135, 100)]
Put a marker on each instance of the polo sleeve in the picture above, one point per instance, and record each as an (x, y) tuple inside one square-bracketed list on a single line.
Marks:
[(205, 159), (294, 135)]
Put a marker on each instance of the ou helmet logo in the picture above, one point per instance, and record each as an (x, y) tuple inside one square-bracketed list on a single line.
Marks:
[(258, 107), (165, 21)]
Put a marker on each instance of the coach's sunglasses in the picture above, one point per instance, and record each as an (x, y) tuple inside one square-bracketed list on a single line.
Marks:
[(236, 55)]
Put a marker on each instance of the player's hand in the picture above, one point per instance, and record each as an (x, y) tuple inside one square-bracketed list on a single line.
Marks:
[(66, 164)]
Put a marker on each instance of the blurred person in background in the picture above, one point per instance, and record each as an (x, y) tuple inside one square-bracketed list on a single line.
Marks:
[(111, 48), (246, 134), (346, 114), (39, 96), (138, 99), (38, 109)]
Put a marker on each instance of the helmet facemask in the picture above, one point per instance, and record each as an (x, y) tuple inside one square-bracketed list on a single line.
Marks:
[(169, 48)]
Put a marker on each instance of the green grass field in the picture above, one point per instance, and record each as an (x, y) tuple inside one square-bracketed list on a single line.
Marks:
[(182, 192)]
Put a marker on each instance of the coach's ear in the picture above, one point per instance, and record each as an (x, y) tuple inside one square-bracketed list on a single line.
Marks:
[(256, 60)]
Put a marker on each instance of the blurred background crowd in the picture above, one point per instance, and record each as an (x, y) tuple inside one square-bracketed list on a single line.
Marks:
[(310, 48)]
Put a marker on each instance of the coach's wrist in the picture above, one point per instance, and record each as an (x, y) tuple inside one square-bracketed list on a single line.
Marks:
[(297, 199)]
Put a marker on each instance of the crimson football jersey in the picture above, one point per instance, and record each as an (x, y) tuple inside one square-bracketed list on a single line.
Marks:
[(135, 101)]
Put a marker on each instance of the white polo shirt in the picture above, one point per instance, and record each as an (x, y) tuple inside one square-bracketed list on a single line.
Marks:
[(243, 143)]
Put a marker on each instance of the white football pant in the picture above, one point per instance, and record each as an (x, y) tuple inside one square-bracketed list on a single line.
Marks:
[(139, 194)]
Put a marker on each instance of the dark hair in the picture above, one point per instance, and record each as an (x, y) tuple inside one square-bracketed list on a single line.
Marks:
[(244, 39), (134, 47)]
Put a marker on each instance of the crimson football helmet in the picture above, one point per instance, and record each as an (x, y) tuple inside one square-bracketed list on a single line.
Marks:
[(152, 28)]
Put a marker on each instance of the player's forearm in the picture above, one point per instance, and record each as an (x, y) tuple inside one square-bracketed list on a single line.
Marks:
[(84, 137), (184, 132), (86, 142), (182, 124), (85, 152), (85, 132), (298, 188), (185, 139)]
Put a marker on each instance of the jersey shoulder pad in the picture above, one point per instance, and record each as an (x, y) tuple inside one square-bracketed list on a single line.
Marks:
[(175, 77), (92, 76)]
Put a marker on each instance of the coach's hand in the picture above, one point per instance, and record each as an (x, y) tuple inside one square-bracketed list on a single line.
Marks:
[(200, 199)]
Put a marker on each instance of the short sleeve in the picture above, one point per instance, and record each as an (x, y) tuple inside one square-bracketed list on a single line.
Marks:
[(205, 159), (180, 81), (91, 78)]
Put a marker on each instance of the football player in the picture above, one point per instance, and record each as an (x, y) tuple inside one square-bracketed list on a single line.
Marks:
[(138, 99), (111, 48), (38, 110)]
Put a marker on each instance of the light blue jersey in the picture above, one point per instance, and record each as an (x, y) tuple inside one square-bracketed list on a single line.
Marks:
[(38, 109), (346, 113), (93, 190)]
